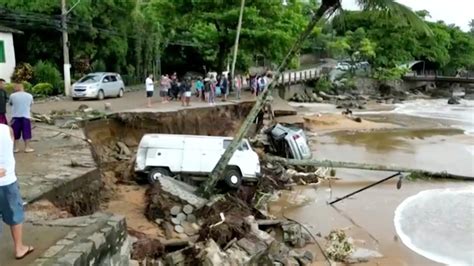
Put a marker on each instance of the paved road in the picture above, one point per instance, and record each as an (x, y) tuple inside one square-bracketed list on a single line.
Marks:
[(131, 100)]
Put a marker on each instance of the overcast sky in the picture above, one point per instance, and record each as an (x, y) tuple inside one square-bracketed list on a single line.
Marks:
[(458, 12)]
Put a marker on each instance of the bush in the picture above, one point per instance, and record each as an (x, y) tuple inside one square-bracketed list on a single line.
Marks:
[(9, 88), (22, 72), (98, 66), (43, 89), (323, 84), (45, 72), (27, 86)]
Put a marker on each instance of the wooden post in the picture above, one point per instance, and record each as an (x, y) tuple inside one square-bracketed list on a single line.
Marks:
[(219, 169)]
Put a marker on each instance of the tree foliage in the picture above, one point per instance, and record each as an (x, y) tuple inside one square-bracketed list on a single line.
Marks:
[(268, 28), (397, 42)]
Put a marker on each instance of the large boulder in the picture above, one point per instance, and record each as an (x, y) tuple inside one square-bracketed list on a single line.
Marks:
[(454, 100)]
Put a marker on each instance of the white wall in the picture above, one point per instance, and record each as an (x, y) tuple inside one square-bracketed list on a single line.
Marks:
[(6, 69)]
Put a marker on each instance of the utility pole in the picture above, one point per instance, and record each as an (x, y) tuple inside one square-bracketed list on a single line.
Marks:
[(236, 45), (67, 64)]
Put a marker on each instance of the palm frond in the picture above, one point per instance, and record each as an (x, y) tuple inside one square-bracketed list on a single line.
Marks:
[(394, 9)]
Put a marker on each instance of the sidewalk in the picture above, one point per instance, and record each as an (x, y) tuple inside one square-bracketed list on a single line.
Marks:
[(131, 101), (41, 237)]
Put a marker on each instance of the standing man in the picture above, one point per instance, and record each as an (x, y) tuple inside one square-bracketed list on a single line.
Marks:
[(11, 204), (238, 86), (150, 88), (21, 103), (200, 89), (224, 87), (3, 103), (165, 84)]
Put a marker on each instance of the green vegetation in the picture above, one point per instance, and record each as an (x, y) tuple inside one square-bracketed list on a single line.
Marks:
[(323, 84), (394, 42), (42, 89), (45, 72)]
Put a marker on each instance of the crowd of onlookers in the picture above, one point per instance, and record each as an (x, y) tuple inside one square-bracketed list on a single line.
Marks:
[(205, 89)]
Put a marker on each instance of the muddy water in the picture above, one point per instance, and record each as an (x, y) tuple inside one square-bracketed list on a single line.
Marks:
[(430, 149), (367, 217), (432, 137)]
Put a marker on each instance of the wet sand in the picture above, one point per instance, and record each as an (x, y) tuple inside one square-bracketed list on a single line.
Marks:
[(326, 123), (129, 201), (366, 217)]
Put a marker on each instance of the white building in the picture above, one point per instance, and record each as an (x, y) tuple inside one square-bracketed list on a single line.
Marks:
[(7, 52)]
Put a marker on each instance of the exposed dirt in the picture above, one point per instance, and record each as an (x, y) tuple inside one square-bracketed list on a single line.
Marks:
[(130, 202), (234, 211), (45, 210)]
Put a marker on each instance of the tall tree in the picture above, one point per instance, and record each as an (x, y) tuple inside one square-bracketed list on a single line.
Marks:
[(326, 8), (267, 27)]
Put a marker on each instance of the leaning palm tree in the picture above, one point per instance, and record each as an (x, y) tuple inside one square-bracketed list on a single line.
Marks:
[(325, 11)]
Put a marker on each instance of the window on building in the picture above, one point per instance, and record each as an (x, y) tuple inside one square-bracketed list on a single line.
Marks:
[(2, 52)]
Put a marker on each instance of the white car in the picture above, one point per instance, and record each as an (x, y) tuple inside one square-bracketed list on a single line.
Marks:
[(195, 156), (289, 142), (98, 85), (343, 66)]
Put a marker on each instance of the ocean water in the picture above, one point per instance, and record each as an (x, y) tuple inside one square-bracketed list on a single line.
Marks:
[(439, 225), (461, 115)]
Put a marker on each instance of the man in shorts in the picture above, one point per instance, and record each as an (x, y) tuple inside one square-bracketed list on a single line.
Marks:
[(150, 88), (3, 103), (165, 84), (21, 103), (11, 204)]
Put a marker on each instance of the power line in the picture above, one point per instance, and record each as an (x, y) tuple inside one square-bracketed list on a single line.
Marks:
[(36, 20)]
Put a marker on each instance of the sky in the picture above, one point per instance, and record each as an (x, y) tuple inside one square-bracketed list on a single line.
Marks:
[(458, 12)]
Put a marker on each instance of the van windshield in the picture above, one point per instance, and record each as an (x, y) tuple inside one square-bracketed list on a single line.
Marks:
[(243, 146)]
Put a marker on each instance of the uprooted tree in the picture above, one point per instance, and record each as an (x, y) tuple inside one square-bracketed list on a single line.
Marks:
[(325, 10)]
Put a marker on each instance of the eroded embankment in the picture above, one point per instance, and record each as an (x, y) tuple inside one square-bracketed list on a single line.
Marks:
[(129, 127)]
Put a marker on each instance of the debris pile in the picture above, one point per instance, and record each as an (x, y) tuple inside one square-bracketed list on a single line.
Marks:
[(224, 230), (68, 119)]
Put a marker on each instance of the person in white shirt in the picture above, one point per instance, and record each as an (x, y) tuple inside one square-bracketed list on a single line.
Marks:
[(150, 87), (11, 204)]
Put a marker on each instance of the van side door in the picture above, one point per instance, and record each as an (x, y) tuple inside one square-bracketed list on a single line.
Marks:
[(192, 155)]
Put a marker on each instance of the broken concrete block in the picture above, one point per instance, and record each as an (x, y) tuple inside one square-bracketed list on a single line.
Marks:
[(175, 220), (191, 218), (175, 210), (362, 255), (179, 229), (181, 217), (188, 209), (124, 150), (252, 247)]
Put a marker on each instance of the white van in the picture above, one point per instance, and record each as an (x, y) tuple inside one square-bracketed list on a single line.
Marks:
[(165, 154)]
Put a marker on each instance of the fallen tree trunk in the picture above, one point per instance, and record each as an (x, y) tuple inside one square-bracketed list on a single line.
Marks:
[(363, 166)]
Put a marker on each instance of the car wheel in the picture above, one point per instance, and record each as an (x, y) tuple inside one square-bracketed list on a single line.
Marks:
[(158, 173), (233, 178), (120, 95), (100, 95)]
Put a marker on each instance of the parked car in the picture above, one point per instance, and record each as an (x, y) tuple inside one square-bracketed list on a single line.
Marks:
[(98, 85), (194, 156), (289, 142), (343, 66)]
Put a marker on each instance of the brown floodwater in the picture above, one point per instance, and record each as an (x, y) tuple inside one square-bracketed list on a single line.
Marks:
[(438, 149), (367, 217)]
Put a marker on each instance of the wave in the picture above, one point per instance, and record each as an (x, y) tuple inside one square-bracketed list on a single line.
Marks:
[(438, 224)]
